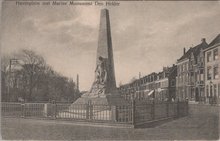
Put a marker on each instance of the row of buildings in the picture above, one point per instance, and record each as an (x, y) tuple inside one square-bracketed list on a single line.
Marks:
[(194, 77)]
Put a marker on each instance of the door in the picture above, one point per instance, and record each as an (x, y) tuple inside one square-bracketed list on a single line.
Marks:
[(197, 94)]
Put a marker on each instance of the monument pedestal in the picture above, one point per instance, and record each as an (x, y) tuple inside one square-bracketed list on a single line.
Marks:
[(111, 100)]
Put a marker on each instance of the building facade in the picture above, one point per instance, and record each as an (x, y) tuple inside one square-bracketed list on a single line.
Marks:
[(212, 78), (195, 77), (140, 88), (165, 84), (160, 86), (190, 74)]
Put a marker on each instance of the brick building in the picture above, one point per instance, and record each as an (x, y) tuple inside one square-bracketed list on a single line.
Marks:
[(160, 86), (195, 77), (190, 73), (140, 88), (212, 79)]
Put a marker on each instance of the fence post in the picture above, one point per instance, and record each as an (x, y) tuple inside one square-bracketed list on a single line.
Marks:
[(22, 109), (45, 111), (153, 110), (90, 110), (133, 112), (113, 111), (54, 109), (87, 110), (167, 105)]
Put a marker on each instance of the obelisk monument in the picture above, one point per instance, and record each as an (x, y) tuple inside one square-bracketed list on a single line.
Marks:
[(103, 90)]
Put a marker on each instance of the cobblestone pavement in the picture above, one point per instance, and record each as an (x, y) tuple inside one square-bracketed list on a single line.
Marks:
[(201, 124)]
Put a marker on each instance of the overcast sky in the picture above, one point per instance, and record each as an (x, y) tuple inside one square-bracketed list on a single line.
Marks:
[(146, 35)]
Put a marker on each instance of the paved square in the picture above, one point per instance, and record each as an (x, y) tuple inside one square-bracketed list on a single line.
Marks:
[(201, 124)]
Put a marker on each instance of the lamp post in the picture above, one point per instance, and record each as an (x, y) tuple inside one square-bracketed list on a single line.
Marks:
[(9, 80)]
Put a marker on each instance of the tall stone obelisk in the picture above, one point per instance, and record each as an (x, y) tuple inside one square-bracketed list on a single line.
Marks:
[(104, 49), (103, 90)]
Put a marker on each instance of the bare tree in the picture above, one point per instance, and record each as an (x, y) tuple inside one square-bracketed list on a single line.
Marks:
[(33, 80), (33, 69)]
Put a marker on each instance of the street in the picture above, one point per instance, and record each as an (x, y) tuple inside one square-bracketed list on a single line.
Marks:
[(201, 124)]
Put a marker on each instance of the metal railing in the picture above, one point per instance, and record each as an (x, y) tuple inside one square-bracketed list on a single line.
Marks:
[(137, 112), (9, 109), (146, 111)]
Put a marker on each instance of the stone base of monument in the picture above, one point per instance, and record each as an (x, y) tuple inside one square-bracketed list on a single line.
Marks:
[(81, 114), (99, 107), (105, 108), (111, 100), (76, 114)]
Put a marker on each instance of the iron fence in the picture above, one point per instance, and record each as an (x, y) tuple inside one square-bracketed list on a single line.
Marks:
[(135, 113), (9, 109), (156, 110)]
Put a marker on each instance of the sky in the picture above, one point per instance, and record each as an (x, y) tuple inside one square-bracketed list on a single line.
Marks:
[(146, 36)]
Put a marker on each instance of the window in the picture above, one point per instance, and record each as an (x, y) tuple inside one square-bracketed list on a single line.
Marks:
[(198, 59), (211, 93), (173, 83), (207, 90), (215, 90), (215, 71), (201, 71), (208, 56), (187, 77), (186, 66), (215, 54), (218, 90), (209, 73)]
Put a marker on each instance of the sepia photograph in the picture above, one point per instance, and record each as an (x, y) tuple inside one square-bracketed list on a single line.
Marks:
[(110, 70)]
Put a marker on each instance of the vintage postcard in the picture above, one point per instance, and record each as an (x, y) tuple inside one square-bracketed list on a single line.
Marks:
[(110, 70)]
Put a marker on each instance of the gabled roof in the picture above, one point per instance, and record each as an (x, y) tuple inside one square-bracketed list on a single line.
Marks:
[(195, 50), (186, 55), (215, 41)]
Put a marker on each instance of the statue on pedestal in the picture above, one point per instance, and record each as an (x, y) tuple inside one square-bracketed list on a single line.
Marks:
[(99, 84), (101, 71)]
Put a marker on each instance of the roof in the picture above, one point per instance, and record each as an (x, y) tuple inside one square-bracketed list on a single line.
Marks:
[(215, 41), (168, 70), (195, 50)]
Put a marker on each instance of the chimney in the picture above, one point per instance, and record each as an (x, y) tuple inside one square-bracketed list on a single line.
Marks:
[(77, 82), (139, 75), (164, 68), (203, 40), (184, 50)]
